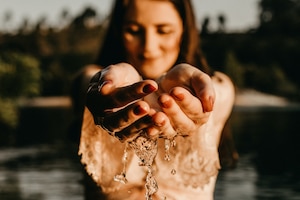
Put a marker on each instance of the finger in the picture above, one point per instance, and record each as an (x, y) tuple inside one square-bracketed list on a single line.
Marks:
[(118, 97), (204, 90), (117, 121), (134, 129), (190, 105), (179, 120), (161, 127), (121, 74), (139, 126)]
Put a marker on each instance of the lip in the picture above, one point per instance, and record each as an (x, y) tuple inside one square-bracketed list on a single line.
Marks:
[(142, 56), (148, 58)]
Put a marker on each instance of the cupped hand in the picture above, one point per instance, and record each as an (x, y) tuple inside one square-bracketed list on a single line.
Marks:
[(115, 97), (186, 98)]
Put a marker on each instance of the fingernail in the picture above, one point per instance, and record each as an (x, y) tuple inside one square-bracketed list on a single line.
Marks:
[(211, 100), (160, 123), (138, 110), (210, 105), (165, 104), (149, 88), (178, 97)]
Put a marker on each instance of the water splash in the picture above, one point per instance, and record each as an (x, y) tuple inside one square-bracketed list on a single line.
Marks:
[(122, 176), (168, 144), (151, 184), (146, 150)]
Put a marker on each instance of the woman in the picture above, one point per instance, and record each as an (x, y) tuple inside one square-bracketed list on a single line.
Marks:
[(155, 112)]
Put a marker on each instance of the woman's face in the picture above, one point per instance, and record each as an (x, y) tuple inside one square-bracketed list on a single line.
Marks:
[(152, 35)]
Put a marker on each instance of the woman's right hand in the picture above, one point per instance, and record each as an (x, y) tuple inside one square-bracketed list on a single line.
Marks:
[(186, 98), (115, 97)]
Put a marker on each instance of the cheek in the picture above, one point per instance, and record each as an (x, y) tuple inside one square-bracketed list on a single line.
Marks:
[(131, 44), (172, 46)]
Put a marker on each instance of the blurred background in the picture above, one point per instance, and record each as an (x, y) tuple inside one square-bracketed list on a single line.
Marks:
[(44, 44)]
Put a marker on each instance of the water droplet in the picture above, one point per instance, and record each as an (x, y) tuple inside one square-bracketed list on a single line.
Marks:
[(120, 178), (124, 157), (173, 171), (167, 157), (168, 145)]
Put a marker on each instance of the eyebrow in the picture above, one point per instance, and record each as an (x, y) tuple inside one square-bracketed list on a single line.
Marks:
[(127, 22)]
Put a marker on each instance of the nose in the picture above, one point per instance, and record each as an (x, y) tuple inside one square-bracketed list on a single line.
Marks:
[(151, 44)]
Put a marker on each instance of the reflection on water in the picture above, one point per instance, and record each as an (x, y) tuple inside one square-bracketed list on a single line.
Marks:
[(39, 173), (268, 168), (268, 142), (237, 184)]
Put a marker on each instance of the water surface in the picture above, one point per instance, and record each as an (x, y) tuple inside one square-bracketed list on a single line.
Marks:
[(268, 168)]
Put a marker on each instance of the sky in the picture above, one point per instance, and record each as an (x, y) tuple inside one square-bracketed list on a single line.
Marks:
[(240, 14)]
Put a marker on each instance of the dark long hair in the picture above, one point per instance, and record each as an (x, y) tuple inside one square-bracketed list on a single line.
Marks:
[(112, 50)]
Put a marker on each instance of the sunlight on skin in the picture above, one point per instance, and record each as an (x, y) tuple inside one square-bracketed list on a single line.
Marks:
[(180, 105)]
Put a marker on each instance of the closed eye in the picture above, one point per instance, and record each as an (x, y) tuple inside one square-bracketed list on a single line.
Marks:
[(132, 29), (165, 29)]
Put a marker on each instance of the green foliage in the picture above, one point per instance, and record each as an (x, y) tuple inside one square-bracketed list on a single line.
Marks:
[(19, 77), (265, 57), (234, 69), (271, 79), (280, 17), (8, 113)]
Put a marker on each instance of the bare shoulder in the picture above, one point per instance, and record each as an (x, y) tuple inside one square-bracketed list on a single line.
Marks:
[(90, 70), (223, 85), (225, 94), (222, 79)]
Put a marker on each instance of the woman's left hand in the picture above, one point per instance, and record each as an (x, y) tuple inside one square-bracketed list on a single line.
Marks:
[(186, 98)]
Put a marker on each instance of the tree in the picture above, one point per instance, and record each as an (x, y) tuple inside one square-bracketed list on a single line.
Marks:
[(279, 32), (222, 22), (6, 19), (19, 77), (280, 17), (205, 26), (65, 17), (83, 20)]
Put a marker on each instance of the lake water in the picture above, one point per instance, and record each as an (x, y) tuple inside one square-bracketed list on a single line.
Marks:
[(268, 168)]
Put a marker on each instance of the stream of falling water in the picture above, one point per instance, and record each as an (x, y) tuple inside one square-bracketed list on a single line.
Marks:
[(146, 150)]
